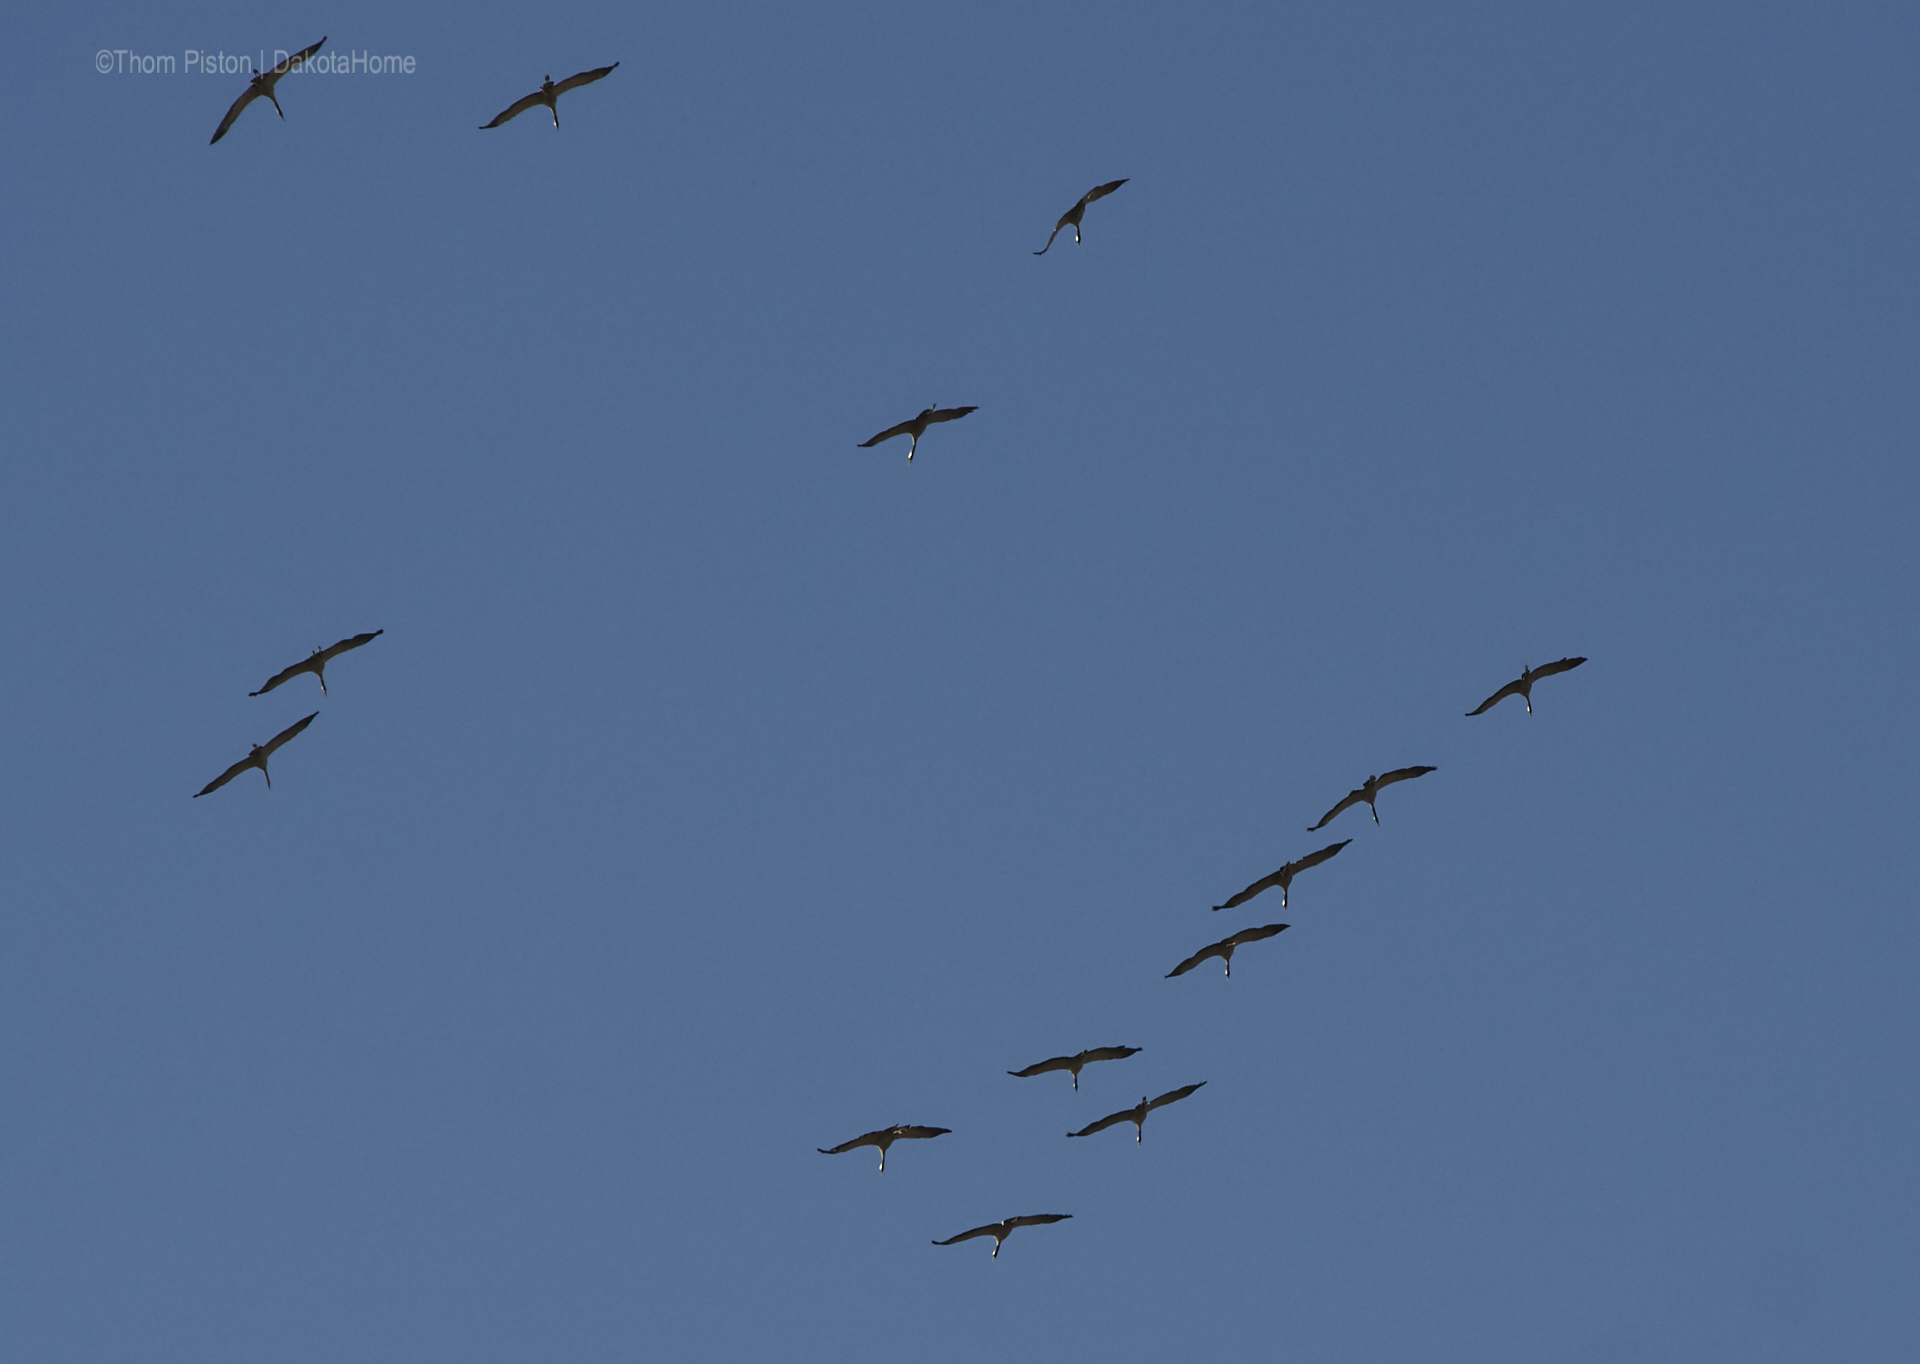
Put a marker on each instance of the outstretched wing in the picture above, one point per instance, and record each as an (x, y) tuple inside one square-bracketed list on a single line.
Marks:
[(921, 1131), (305, 666), (905, 428), (1042, 1067), (1511, 689), (1038, 1219), (1247, 935), (266, 749), (1056, 232), (1124, 1115), (584, 78), (949, 414), (1107, 1053), (1314, 859), (225, 777), (1101, 191), (864, 1139), (1264, 883), (1351, 798), (304, 55), (991, 1229), (294, 62), (1564, 665), (1216, 949), (328, 654), (1173, 1096), (1401, 774), (514, 110), (247, 97)]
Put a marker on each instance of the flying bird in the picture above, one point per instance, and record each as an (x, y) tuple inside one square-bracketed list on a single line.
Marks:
[(884, 1138), (1224, 948), (1071, 218), (1137, 1116), (1370, 788), (549, 95), (257, 758), (1000, 1231), (317, 663), (262, 83), (917, 426), (1073, 1063), (1522, 686), (1284, 877)]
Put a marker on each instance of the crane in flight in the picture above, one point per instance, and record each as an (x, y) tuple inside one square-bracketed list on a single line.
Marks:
[(1000, 1231), (262, 83), (884, 1138), (549, 95), (1522, 686), (257, 758), (1284, 877), (1370, 788), (1074, 1063), (1137, 1116), (317, 663), (1071, 218), (917, 426), (1224, 948)]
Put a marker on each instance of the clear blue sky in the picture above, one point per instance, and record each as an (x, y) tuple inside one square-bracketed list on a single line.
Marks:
[(719, 791)]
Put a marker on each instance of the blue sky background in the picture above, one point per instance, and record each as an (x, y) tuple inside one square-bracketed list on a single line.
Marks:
[(720, 791)]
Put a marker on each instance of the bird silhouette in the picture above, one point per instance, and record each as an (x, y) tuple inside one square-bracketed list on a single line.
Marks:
[(1370, 788), (549, 95), (262, 83), (1522, 686), (1071, 218), (917, 426), (1000, 1231), (1138, 1115), (884, 1138), (1224, 948), (1074, 1063), (257, 758), (1284, 877), (317, 663)]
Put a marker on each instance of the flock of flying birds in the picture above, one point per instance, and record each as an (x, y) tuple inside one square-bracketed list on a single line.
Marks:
[(262, 83), (547, 96), (315, 663), (1366, 793)]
